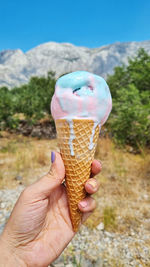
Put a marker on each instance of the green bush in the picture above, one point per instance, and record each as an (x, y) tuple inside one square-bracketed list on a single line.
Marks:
[(6, 109), (130, 121), (32, 100), (130, 88)]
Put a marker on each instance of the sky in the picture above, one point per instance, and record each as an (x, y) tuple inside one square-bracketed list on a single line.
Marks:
[(91, 23)]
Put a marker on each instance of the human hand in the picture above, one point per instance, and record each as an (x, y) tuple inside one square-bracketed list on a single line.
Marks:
[(39, 227)]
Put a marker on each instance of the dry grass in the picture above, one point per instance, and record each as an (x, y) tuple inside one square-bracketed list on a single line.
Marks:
[(26, 157), (124, 196), (123, 201)]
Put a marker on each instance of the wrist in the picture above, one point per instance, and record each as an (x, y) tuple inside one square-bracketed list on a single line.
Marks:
[(8, 254)]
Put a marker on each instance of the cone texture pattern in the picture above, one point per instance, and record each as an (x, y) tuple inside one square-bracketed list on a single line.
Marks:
[(78, 165)]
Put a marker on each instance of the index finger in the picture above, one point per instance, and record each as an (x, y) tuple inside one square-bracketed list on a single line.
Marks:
[(96, 167)]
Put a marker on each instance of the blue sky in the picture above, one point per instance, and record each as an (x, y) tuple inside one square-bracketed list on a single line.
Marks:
[(91, 23)]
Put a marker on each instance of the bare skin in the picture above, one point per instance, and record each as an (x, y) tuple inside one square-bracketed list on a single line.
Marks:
[(39, 227)]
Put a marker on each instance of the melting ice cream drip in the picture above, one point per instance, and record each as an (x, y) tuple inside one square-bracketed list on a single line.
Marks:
[(91, 145), (72, 136)]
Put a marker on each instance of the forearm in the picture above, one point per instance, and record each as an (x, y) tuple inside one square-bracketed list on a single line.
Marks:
[(8, 255)]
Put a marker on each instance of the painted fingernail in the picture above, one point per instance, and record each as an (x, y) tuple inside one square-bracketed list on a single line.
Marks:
[(52, 157), (83, 204), (93, 184)]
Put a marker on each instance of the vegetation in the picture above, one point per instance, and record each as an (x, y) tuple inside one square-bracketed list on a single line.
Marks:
[(130, 88), (129, 123), (31, 100)]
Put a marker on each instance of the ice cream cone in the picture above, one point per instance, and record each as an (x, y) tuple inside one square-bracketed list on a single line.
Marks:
[(77, 140)]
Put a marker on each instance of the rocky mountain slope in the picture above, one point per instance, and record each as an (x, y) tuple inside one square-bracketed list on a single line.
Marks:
[(17, 67)]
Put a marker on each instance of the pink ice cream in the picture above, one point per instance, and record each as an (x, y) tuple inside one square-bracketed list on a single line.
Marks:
[(81, 95)]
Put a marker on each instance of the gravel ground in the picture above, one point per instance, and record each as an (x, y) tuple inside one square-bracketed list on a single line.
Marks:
[(97, 248)]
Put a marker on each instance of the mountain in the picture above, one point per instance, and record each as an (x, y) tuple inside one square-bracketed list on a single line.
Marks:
[(17, 67)]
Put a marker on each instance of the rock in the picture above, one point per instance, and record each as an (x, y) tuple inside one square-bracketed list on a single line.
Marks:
[(18, 178), (36, 132), (100, 226), (58, 262), (42, 129), (99, 263), (3, 205), (87, 263)]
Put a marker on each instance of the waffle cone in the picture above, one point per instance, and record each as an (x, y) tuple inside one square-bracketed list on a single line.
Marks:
[(77, 158)]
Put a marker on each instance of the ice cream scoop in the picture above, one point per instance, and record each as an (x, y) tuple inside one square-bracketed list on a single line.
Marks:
[(80, 105), (81, 95)]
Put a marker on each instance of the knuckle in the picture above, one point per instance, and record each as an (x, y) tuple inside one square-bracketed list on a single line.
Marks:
[(94, 183), (52, 173)]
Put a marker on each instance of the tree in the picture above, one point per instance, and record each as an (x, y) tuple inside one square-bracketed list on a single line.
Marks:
[(130, 88), (139, 70), (130, 122), (6, 108), (32, 99)]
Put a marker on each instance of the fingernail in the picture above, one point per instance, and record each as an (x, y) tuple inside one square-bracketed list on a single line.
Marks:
[(83, 204), (52, 157), (93, 184)]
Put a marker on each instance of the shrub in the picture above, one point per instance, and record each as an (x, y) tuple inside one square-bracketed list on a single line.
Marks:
[(32, 100), (130, 88)]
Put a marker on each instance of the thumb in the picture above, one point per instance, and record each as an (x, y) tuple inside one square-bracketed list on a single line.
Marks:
[(43, 187)]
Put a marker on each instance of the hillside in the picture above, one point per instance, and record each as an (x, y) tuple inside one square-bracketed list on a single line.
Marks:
[(16, 67)]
